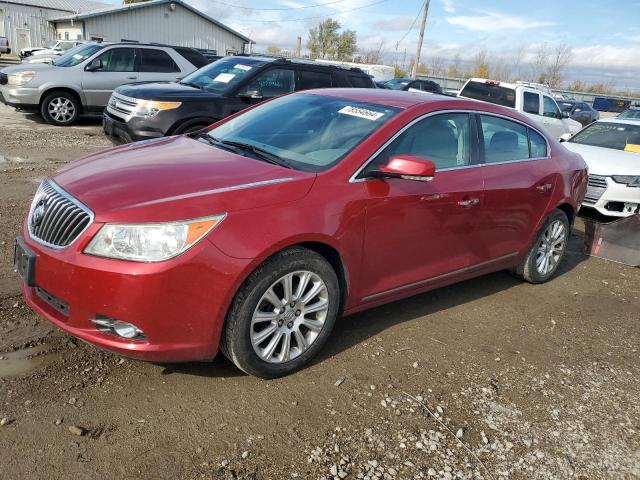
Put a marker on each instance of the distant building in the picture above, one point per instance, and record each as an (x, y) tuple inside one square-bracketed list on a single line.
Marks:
[(26, 22), (162, 21), (36, 23)]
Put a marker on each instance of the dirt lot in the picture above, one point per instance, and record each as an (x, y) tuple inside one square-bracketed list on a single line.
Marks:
[(488, 379)]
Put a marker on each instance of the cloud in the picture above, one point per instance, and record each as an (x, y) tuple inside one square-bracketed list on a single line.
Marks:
[(606, 56), (394, 24), (448, 6), (635, 38), (496, 22)]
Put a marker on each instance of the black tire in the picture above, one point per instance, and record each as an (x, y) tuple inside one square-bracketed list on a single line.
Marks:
[(67, 116), (528, 270), (191, 128), (236, 338)]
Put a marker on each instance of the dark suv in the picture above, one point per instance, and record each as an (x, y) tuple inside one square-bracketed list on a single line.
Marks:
[(227, 86), (409, 85)]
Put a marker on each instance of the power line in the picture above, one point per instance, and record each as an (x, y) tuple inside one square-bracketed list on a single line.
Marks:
[(279, 9), (413, 24), (316, 16)]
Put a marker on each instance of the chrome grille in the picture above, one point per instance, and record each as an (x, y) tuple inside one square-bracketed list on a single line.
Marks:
[(596, 187), (122, 106), (56, 219)]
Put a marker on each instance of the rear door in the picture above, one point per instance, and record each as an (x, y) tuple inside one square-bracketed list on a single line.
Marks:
[(519, 178), (156, 65), (118, 68), (308, 79)]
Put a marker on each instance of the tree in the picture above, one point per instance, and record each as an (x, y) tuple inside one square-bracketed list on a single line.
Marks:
[(273, 50), (327, 42), (561, 57), (480, 65)]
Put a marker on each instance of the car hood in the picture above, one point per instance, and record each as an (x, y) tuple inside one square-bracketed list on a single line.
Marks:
[(30, 67), (607, 161), (164, 91), (177, 178)]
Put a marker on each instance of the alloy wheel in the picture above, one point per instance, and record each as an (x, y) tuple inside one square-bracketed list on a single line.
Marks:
[(61, 109), (289, 316), (550, 248)]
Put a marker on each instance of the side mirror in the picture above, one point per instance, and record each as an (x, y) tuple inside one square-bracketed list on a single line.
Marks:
[(407, 167), (95, 64), (564, 115), (565, 137), (255, 93)]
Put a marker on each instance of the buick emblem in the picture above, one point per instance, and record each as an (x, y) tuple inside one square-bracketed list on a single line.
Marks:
[(38, 212)]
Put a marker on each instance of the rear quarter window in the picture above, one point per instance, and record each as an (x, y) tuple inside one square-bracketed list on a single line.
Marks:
[(489, 92), (192, 56)]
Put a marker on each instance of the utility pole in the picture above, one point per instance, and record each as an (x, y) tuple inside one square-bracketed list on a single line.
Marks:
[(298, 47), (414, 70)]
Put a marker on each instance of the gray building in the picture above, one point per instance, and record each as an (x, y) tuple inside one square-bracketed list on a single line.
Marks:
[(26, 22), (162, 21)]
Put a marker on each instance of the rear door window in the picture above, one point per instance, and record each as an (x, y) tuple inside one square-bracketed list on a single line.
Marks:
[(153, 60), (550, 107), (314, 79), (531, 103), (490, 92), (504, 140), (360, 81)]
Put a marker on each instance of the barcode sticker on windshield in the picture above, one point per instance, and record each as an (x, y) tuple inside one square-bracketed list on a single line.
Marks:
[(239, 66), (361, 112), (224, 77)]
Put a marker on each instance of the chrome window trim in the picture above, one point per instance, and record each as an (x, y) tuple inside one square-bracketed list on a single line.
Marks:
[(69, 197), (354, 179)]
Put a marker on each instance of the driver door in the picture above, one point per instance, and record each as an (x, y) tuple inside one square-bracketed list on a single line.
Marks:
[(118, 68), (417, 231)]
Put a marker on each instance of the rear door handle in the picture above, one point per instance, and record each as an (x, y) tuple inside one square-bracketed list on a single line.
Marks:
[(470, 202), (132, 78), (544, 188)]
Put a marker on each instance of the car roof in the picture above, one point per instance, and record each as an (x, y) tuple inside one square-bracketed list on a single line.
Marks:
[(302, 61), (628, 121), (398, 98)]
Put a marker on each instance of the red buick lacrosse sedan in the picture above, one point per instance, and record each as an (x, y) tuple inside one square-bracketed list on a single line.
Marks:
[(253, 237)]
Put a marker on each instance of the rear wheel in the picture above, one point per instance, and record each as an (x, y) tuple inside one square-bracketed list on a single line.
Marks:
[(283, 314), (60, 108), (547, 252)]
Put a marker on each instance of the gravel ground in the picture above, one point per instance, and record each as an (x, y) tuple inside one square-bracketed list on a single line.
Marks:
[(488, 379)]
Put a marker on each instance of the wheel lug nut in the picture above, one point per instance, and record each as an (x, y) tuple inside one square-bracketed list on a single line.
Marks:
[(292, 304), (298, 312)]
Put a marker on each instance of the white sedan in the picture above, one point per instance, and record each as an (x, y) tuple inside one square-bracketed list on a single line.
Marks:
[(611, 149)]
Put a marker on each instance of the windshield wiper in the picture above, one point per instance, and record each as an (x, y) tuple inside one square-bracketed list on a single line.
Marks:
[(261, 153), (212, 141)]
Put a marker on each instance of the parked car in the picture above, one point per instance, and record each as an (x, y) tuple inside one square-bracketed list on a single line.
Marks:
[(81, 81), (220, 89), (51, 57), (410, 85), (253, 236), (4, 46), (58, 48), (579, 111), (630, 113), (611, 148), (530, 99), (56, 45)]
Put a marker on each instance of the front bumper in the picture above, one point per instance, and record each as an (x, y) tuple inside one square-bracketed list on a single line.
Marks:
[(180, 304), (611, 198), (134, 130), (23, 98)]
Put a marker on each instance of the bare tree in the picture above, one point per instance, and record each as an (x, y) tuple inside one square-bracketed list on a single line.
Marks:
[(559, 60), (539, 64), (373, 56), (480, 65), (436, 66)]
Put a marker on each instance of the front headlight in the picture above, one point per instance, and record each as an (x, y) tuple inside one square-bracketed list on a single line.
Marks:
[(148, 108), (628, 180), (150, 242), (20, 78)]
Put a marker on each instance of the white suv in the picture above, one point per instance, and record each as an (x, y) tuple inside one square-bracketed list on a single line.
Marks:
[(534, 100)]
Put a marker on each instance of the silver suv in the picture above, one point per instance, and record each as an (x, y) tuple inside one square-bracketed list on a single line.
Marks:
[(81, 80)]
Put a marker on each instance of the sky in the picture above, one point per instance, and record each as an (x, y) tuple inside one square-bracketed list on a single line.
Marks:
[(604, 36)]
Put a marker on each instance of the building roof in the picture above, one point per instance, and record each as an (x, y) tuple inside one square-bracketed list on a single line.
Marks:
[(132, 6), (73, 6)]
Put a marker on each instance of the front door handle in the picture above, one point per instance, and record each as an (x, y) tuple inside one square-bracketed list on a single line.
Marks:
[(544, 188), (470, 202)]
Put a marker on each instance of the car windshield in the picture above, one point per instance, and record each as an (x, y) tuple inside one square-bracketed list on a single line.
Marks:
[(222, 75), (619, 136), (630, 113), (565, 106), (309, 132), (77, 55), (397, 84)]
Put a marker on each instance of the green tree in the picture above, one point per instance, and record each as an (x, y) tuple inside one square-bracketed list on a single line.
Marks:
[(327, 42)]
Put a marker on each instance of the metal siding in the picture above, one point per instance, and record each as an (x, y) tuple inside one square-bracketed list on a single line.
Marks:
[(41, 32), (158, 24)]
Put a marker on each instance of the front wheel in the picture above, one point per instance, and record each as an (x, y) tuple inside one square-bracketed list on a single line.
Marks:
[(548, 250), (283, 314), (60, 108)]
